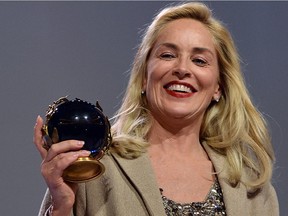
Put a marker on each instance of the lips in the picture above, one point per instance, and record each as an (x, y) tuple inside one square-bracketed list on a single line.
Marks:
[(178, 89)]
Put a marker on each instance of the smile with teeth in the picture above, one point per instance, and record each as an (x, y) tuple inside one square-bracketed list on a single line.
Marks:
[(180, 88)]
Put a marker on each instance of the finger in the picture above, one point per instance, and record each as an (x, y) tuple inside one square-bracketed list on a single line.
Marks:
[(38, 137), (54, 168), (63, 147)]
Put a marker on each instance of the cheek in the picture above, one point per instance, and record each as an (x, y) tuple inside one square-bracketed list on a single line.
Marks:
[(210, 79)]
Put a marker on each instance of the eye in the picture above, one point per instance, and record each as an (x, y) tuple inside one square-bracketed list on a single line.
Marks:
[(200, 62), (167, 56)]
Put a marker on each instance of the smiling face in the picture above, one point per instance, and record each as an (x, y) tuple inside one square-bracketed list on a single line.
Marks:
[(182, 71)]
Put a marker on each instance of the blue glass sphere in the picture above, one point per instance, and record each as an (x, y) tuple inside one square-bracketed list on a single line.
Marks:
[(79, 120)]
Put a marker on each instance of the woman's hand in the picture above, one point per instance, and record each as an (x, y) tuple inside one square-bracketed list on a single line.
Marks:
[(55, 161)]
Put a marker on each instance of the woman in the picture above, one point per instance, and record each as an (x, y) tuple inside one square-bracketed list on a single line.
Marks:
[(187, 139)]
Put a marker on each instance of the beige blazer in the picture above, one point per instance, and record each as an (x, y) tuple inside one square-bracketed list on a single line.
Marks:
[(129, 188)]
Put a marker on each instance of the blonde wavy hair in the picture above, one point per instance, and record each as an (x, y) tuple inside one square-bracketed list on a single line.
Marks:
[(233, 126)]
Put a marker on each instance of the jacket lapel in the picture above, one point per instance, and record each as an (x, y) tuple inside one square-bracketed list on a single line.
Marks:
[(233, 196), (140, 174)]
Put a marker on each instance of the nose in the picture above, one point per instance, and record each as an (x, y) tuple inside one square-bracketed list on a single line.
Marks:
[(182, 69)]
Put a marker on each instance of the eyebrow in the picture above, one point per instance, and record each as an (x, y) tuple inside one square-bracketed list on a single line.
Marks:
[(168, 45), (202, 50)]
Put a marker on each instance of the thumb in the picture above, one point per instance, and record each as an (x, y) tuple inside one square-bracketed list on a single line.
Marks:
[(38, 137)]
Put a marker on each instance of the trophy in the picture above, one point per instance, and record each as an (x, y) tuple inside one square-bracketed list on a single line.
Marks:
[(79, 120)]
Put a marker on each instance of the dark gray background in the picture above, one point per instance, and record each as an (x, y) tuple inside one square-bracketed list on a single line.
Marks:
[(84, 49)]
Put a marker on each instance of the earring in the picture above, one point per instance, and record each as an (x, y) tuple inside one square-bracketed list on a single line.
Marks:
[(143, 93), (217, 99)]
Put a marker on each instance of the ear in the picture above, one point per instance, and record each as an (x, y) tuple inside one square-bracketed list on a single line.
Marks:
[(144, 84), (217, 93)]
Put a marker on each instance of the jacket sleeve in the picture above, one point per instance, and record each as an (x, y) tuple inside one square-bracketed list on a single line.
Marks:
[(46, 205)]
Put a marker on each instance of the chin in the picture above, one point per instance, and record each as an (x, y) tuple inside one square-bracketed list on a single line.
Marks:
[(178, 115)]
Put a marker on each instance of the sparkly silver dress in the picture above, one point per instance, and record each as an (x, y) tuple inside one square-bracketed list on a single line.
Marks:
[(212, 206)]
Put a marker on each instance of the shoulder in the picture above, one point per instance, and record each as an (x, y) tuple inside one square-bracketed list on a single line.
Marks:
[(240, 199)]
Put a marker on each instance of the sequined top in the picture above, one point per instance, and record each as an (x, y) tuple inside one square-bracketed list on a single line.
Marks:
[(212, 206)]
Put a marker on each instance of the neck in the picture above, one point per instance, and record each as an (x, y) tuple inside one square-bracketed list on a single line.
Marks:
[(178, 141)]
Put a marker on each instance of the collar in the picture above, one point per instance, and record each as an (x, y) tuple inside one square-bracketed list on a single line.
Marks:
[(140, 174)]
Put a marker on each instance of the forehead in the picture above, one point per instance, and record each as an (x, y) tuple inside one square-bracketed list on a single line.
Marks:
[(186, 31)]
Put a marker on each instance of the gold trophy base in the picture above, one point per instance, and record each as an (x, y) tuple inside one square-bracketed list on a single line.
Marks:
[(83, 169)]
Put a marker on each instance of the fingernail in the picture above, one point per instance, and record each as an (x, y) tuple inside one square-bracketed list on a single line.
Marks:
[(86, 152), (80, 143)]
